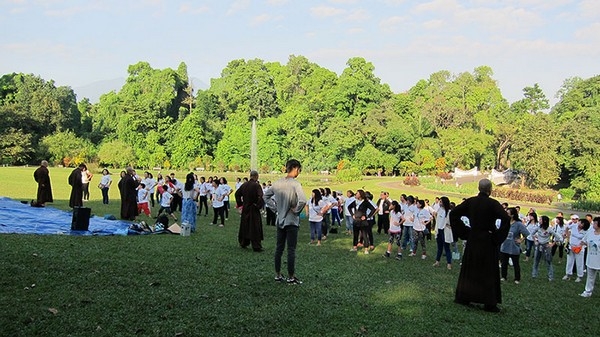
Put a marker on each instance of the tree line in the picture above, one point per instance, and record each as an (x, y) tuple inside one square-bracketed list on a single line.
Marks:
[(332, 122)]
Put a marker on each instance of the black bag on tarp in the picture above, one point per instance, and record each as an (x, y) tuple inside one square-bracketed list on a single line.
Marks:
[(81, 218)]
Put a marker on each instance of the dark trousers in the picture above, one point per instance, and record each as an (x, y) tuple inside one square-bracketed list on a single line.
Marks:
[(561, 249), (176, 203), (325, 223), (442, 244), (226, 208), (86, 191), (504, 265), (369, 231), (271, 216), (203, 202), (289, 235), (383, 223), (152, 199), (219, 212), (105, 195)]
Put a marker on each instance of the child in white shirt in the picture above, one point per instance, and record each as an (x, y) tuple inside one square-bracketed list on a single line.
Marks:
[(143, 198)]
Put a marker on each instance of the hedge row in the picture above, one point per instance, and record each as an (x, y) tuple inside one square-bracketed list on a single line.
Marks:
[(514, 194)]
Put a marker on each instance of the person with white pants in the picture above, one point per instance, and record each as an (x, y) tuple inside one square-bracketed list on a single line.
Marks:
[(592, 243), (575, 232)]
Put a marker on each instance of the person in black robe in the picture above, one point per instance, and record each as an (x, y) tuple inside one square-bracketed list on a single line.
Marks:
[(42, 177), (128, 187), (76, 199), (479, 279), (121, 186), (249, 200)]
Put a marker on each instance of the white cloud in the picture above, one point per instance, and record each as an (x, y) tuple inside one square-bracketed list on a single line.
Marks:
[(260, 19), (358, 15), (326, 11), (343, 2), (188, 8), (589, 33), (355, 30), (277, 2), (393, 2), (444, 6), (590, 8), (238, 5), (433, 24), (391, 24)]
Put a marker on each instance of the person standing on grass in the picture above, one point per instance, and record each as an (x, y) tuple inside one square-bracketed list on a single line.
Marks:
[(575, 232), (189, 206), (218, 194), (76, 199), (249, 201), (422, 220), (592, 241), (383, 213), (143, 198), (165, 202), (287, 197), (361, 209), (86, 177), (348, 217), (443, 221), (532, 226), (129, 207), (203, 199), (42, 177), (316, 208), (479, 279), (511, 247), (544, 239), (395, 230), (227, 191), (105, 183), (559, 229), (409, 210)]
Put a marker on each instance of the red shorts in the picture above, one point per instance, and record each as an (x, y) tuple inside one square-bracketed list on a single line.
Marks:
[(143, 207)]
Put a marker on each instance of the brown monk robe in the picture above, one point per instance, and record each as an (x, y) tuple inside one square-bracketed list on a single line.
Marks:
[(76, 199), (42, 177), (479, 279), (249, 198)]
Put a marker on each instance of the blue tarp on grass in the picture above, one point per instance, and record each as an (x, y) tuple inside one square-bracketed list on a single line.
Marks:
[(19, 218)]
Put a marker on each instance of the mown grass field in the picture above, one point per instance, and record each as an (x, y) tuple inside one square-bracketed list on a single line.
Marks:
[(205, 285)]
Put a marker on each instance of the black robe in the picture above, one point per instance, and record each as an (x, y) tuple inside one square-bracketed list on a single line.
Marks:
[(479, 279), (44, 192), (250, 197), (76, 199), (128, 187)]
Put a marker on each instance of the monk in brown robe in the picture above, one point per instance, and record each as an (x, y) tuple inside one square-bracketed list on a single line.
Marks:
[(42, 177), (249, 200)]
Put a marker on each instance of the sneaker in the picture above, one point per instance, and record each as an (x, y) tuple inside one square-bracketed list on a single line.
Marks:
[(566, 278), (387, 254), (221, 226), (294, 280), (585, 294), (366, 251), (412, 254), (423, 257), (399, 257), (517, 282), (352, 249), (577, 280), (502, 279), (279, 278)]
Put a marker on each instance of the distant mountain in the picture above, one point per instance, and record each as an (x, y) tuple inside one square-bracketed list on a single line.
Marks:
[(94, 90)]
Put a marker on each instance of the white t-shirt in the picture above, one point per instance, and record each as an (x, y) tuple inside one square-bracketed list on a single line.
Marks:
[(217, 197), (395, 220), (421, 216), (347, 202), (85, 179), (410, 215), (143, 195), (593, 249), (165, 201), (576, 235), (150, 184), (105, 180), (227, 190), (315, 210), (440, 220), (238, 185)]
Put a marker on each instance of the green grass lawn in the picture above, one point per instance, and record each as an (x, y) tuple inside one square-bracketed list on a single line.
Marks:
[(205, 285)]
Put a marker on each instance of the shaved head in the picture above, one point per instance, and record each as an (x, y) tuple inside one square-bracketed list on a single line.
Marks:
[(485, 186)]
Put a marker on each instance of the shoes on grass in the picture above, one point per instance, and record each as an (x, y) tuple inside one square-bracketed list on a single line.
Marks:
[(577, 280), (293, 281), (585, 294), (280, 278)]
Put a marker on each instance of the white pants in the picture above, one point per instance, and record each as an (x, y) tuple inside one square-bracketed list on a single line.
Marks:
[(591, 279), (578, 260)]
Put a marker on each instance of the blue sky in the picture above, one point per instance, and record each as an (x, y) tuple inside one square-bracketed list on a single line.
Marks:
[(76, 43)]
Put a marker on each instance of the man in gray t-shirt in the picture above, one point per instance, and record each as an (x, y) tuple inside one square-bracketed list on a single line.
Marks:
[(287, 198)]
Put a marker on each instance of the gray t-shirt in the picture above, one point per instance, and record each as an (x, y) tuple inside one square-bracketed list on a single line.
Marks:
[(287, 198)]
